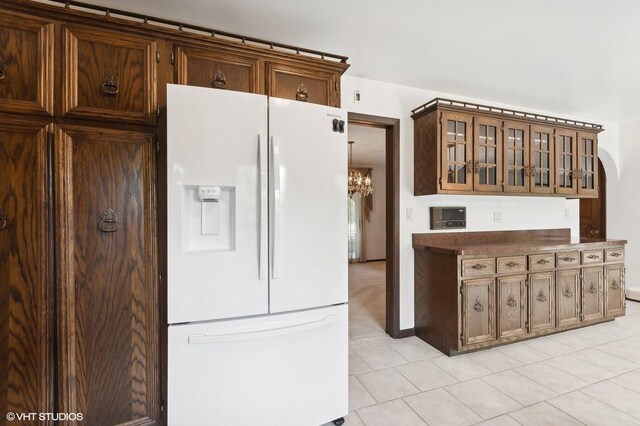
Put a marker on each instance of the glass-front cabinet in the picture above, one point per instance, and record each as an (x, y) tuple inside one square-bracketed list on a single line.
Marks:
[(587, 164), (516, 157), (541, 161), (456, 168), (487, 170), (566, 159)]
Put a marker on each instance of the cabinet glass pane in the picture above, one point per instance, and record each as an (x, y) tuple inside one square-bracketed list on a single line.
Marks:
[(565, 170), (486, 149), (456, 140), (587, 163), (515, 157), (541, 154)]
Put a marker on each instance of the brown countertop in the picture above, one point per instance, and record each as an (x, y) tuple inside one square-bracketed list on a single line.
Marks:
[(507, 242)]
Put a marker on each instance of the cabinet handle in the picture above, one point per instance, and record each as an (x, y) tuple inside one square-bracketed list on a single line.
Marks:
[(3, 219), (525, 171), (541, 297), (615, 285), (109, 222), (532, 170), (576, 174), (478, 306), (476, 167), (512, 265), (219, 79), (567, 292), (301, 93), (543, 261), (593, 256), (581, 174), (479, 266), (469, 166), (110, 85), (593, 289), (568, 258), (615, 254), (511, 301), (3, 69)]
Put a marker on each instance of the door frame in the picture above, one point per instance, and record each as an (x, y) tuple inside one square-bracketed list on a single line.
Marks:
[(392, 217), (602, 200)]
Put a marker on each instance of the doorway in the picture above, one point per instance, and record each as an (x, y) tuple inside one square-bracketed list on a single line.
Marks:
[(390, 127), (593, 211)]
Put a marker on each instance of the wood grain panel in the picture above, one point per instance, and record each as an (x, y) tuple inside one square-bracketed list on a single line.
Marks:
[(542, 296), (26, 64), (197, 66), (567, 297), (478, 311), (510, 264), (108, 308), (592, 293), (541, 262), (512, 302), (26, 332), (480, 266), (426, 163), (285, 80), (614, 290), (567, 258), (91, 56)]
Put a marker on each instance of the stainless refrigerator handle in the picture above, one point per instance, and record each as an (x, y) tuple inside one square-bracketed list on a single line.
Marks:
[(264, 196), (203, 339), (275, 233)]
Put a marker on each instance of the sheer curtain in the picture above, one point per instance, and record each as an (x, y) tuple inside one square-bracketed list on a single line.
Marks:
[(355, 229)]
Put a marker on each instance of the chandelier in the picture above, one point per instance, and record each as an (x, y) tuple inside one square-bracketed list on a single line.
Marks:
[(358, 185)]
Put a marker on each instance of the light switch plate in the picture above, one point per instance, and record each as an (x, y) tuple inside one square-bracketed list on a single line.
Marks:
[(497, 217)]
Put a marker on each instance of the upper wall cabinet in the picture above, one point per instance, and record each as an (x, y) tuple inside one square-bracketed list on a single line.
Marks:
[(109, 75), (473, 149), (289, 80), (219, 68), (26, 64)]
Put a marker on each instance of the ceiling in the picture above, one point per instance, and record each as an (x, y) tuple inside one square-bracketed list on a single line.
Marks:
[(368, 145), (573, 57)]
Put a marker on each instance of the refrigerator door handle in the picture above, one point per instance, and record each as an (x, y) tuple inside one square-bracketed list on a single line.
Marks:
[(275, 234), (203, 339), (264, 196)]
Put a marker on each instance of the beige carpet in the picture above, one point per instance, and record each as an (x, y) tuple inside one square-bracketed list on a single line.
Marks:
[(366, 299)]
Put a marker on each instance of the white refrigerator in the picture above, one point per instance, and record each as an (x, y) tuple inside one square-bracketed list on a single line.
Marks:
[(257, 260)]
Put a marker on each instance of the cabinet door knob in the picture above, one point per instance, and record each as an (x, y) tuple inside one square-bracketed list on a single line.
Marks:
[(568, 258), (109, 222), (512, 265), (511, 301), (3, 69), (615, 254), (3, 219), (541, 297), (301, 93), (593, 256), (479, 266), (110, 85), (543, 261), (478, 306), (219, 79)]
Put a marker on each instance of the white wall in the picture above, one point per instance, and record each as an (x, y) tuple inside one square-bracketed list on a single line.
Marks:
[(623, 202), (390, 100), (374, 228)]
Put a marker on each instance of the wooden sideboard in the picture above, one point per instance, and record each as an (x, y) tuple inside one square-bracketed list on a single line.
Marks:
[(82, 199), (481, 289), (464, 148)]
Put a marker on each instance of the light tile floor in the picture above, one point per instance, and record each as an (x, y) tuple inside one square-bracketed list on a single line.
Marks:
[(587, 376)]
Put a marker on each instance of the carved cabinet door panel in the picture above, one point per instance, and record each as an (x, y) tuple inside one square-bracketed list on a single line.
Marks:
[(568, 297), (512, 302), (109, 75), (592, 293), (219, 69), (108, 309), (614, 289), (478, 311), (542, 295), (288, 81), (26, 64), (26, 297)]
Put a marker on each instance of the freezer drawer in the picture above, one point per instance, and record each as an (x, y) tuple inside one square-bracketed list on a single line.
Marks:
[(285, 369)]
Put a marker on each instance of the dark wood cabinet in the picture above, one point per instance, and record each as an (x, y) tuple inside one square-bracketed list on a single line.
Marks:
[(220, 69), (108, 312), (512, 302), (109, 75), (291, 81), (512, 285), (26, 64), (26, 296), (464, 148), (478, 318)]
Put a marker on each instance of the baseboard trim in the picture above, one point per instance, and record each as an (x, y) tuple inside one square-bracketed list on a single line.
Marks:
[(376, 260), (407, 332)]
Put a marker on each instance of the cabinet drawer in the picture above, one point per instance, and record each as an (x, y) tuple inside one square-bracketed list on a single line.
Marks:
[(475, 267), (541, 262), (217, 68), (567, 258), (614, 255), (26, 64), (591, 256), (295, 82), (512, 264), (109, 75)]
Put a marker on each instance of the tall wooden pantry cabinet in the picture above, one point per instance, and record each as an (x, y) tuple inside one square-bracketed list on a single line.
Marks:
[(82, 207)]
